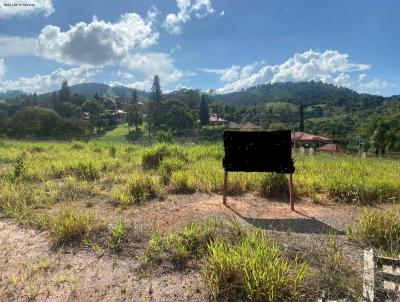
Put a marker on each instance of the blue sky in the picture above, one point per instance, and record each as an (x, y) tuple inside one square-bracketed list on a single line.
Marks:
[(226, 45)]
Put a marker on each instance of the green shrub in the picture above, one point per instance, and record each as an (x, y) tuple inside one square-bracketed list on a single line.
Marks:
[(85, 171), (19, 169), (378, 229), (252, 269), (273, 184), (118, 233), (139, 189), (71, 225), (153, 157)]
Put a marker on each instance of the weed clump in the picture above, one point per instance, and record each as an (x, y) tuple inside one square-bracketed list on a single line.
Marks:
[(117, 235), (85, 171), (252, 269), (180, 183), (332, 277), (378, 229), (139, 189), (19, 169), (153, 157), (273, 184), (71, 226), (168, 166), (191, 242)]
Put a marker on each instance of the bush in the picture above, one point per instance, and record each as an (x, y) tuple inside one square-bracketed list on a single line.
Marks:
[(253, 269), (378, 229), (85, 171), (273, 184), (70, 225), (153, 157), (139, 189)]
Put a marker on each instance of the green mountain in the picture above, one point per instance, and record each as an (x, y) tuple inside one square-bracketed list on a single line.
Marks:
[(89, 89), (11, 94), (310, 93)]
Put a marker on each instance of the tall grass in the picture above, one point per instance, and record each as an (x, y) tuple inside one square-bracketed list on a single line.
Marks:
[(378, 229), (252, 269), (190, 168)]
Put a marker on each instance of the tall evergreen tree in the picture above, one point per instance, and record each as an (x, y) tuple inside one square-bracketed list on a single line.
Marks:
[(203, 111), (301, 116), (96, 96), (156, 90), (134, 97), (64, 95)]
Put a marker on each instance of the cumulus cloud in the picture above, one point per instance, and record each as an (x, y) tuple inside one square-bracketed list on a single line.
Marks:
[(3, 68), (234, 72), (372, 86), (187, 8), (43, 83), (99, 42), (329, 66), (17, 46), (23, 8), (152, 63)]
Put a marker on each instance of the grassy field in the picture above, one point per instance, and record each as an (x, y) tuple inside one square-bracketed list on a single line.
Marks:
[(54, 186)]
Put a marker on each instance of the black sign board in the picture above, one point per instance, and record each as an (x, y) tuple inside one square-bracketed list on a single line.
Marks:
[(258, 151)]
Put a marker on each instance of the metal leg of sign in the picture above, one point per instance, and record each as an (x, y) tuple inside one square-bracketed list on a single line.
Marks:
[(225, 186), (291, 192)]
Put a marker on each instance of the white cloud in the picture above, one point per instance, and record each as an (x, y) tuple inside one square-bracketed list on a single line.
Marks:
[(17, 46), (3, 68), (99, 42), (200, 8), (43, 83), (124, 75), (234, 72), (23, 8), (372, 86), (329, 66), (152, 63)]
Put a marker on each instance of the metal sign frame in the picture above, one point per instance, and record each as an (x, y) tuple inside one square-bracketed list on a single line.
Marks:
[(258, 151)]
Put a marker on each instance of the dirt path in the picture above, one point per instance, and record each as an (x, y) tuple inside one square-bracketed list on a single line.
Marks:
[(30, 269)]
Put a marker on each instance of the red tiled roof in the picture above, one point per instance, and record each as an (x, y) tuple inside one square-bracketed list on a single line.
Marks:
[(302, 136)]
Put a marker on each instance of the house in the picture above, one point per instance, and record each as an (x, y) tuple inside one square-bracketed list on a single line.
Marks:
[(331, 148), (307, 140), (215, 120)]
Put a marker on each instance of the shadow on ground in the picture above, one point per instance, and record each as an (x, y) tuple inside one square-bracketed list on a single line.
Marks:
[(302, 225)]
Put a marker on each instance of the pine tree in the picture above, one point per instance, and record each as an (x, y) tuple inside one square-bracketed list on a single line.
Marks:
[(153, 115), (134, 97), (203, 111), (156, 90), (64, 95), (301, 117)]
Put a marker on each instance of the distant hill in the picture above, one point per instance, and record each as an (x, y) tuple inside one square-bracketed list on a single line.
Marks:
[(11, 94), (310, 93), (89, 89)]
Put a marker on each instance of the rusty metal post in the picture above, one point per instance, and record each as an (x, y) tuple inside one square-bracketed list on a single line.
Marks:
[(291, 192), (225, 186)]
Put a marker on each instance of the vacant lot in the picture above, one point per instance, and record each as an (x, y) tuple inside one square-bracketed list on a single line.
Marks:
[(95, 221)]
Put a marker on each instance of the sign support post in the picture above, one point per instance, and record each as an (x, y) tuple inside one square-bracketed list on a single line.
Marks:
[(291, 192), (225, 186)]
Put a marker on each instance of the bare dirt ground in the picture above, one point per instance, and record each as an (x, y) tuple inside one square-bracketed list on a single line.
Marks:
[(31, 269)]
